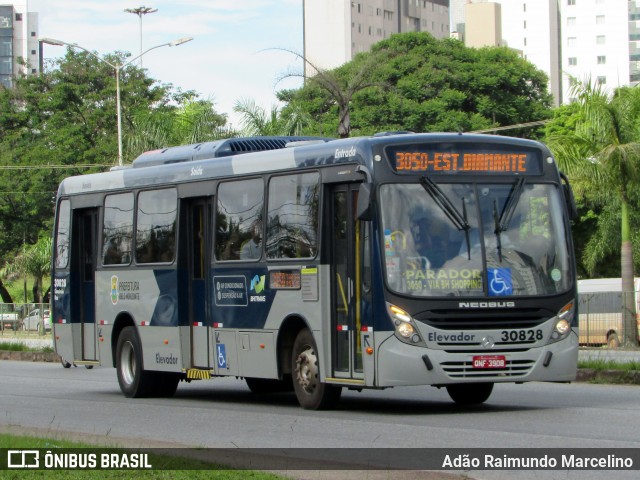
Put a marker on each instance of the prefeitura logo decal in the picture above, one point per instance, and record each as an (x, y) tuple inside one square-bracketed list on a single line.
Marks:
[(114, 289)]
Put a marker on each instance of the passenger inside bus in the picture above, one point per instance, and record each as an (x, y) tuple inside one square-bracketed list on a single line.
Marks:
[(252, 248), (430, 243)]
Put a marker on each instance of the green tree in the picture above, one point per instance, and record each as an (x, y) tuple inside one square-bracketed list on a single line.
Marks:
[(603, 151), (64, 123), (58, 124), (34, 261), (424, 84)]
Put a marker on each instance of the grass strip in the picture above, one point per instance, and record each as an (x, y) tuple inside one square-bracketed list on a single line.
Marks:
[(164, 466), (600, 365)]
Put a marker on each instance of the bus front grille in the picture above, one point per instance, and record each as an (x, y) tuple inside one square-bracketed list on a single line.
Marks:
[(486, 320), (464, 369)]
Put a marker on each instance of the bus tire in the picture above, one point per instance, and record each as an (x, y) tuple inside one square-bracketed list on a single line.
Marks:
[(312, 394), (134, 381), (470, 393), (269, 385)]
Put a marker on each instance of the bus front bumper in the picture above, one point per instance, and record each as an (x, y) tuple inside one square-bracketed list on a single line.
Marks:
[(401, 364)]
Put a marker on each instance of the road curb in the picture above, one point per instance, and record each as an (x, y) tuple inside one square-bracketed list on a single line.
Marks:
[(608, 376)]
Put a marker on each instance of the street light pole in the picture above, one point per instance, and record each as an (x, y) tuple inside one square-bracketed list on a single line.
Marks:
[(117, 68), (140, 12)]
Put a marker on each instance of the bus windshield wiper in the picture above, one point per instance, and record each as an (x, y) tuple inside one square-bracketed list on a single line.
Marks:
[(458, 219), (502, 222)]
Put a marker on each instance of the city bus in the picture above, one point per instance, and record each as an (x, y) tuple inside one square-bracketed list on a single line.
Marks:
[(315, 265)]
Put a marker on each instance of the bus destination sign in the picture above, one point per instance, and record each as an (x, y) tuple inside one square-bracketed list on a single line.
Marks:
[(426, 159)]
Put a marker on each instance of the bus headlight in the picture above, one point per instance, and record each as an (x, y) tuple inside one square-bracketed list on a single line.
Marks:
[(563, 322), (405, 329)]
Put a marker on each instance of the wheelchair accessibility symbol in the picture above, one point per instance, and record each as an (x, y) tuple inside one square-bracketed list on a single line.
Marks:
[(221, 354), (500, 283)]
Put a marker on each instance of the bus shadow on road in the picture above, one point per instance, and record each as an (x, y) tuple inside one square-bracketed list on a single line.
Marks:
[(365, 402)]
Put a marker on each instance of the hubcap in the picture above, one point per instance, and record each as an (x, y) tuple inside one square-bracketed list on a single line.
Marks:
[(307, 370), (127, 363)]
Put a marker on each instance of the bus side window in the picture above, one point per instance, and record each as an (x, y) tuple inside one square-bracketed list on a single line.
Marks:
[(239, 225), (117, 229), (292, 225), (62, 234), (156, 226)]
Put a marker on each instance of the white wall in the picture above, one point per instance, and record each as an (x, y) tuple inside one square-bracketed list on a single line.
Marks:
[(327, 32)]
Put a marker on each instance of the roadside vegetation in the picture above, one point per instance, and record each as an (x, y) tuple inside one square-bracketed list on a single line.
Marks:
[(164, 466), (602, 365), (21, 347)]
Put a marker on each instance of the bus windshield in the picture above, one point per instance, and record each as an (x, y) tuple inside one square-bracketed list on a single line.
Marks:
[(474, 240)]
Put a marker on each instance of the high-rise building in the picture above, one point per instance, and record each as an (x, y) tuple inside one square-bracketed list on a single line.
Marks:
[(19, 46), (596, 39), (528, 26), (600, 42), (335, 30), (486, 28)]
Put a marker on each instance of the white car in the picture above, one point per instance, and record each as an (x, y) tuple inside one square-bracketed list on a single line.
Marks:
[(34, 319)]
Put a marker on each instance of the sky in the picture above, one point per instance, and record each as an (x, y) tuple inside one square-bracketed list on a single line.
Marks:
[(237, 51)]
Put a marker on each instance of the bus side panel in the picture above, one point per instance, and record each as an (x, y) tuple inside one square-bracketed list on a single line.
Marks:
[(309, 305), (148, 298)]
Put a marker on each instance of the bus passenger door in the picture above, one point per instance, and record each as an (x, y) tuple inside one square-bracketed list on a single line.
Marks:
[(198, 232), (346, 289), (83, 270)]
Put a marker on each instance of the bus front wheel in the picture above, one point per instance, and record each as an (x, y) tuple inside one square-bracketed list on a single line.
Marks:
[(133, 379), (312, 394), (470, 393)]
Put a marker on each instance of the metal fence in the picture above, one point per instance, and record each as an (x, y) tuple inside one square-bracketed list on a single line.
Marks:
[(27, 317), (600, 318)]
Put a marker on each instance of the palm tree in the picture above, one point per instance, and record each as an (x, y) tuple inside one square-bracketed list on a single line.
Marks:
[(255, 120), (193, 121), (341, 84), (34, 261), (604, 152)]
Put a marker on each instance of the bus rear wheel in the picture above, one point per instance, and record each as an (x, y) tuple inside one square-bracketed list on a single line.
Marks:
[(470, 393), (312, 394), (134, 381)]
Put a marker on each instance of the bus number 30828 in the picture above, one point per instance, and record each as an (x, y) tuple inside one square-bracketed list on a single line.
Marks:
[(521, 335)]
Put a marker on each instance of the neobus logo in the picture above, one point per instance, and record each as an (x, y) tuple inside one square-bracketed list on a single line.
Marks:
[(487, 304)]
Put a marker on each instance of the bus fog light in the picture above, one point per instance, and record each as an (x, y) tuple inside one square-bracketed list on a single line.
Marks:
[(415, 338)]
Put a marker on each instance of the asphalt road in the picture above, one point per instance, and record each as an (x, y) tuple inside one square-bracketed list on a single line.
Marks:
[(46, 398)]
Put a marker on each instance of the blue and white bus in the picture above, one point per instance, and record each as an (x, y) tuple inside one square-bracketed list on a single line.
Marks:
[(317, 265)]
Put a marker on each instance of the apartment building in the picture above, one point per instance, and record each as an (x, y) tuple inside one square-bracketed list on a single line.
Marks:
[(336, 30), (597, 39), (600, 41), (19, 47)]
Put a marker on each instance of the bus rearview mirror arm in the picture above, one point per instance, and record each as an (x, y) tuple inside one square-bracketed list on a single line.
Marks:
[(569, 197), (363, 210)]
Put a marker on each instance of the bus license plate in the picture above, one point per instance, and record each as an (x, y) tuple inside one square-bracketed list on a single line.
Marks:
[(489, 361)]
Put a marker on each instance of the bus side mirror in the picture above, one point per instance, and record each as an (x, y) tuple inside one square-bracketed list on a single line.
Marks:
[(569, 198), (363, 209)]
